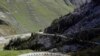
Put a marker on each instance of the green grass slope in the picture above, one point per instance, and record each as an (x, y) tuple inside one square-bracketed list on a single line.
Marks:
[(13, 52), (32, 15)]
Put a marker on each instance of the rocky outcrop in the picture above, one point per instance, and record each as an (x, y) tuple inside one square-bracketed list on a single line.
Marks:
[(87, 17), (52, 42), (81, 20)]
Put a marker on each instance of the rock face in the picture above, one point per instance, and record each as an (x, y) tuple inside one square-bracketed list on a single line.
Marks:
[(87, 17), (78, 24)]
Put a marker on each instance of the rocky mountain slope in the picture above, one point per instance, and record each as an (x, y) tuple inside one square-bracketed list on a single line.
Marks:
[(32, 15), (76, 31)]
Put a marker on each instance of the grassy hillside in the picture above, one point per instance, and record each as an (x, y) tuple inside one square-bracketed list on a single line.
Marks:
[(32, 15), (13, 53)]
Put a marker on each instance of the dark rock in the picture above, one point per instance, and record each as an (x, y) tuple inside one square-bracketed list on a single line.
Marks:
[(77, 3), (78, 24), (3, 22), (84, 18)]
